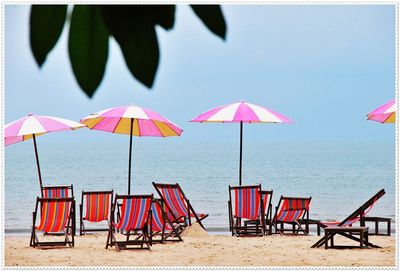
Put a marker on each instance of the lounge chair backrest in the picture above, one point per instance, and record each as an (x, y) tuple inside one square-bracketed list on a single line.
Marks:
[(59, 191), (174, 199), (362, 210), (157, 213), (292, 208), (134, 211), (98, 205), (55, 213), (247, 201), (266, 197)]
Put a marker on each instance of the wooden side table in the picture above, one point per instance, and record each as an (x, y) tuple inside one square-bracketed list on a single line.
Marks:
[(330, 233), (377, 220)]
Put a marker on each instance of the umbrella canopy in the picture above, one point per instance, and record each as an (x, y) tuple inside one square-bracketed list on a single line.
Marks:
[(385, 113), (241, 112), (134, 121), (32, 126)]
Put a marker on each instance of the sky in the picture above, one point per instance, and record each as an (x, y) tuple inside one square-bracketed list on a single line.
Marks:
[(324, 67)]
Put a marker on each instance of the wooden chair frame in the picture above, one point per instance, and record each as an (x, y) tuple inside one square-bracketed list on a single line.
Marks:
[(34, 241), (304, 218), (357, 215), (82, 228), (143, 235), (173, 235), (250, 227), (184, 221)]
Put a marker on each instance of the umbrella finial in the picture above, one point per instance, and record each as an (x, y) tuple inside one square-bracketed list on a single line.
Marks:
[(30, 114)]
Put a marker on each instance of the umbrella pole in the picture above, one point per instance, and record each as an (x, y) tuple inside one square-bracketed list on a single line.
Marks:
[(240, 161), (130, 159), (37, 164)]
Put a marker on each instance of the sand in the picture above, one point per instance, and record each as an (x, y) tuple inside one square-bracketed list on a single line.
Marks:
[(201, 249)]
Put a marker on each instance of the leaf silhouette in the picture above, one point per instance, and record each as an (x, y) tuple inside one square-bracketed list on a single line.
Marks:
[(88, 46), (212, 17), (46, 25)]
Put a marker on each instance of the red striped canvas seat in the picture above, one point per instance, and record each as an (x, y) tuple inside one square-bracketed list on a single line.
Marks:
[(134, 213), (292, 209), (97, 206), (177, 203), (158, 221), (247, 202), (54, 216), (56, 192)]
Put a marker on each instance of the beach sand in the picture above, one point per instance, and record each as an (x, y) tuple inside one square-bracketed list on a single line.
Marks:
[(201, 249)]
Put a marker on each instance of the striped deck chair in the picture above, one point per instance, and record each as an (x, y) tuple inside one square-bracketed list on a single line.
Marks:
[(162, 225), (267, 202), (135, 219), (247, 206), (60, 191), (97, 208), (292, 210), (179, 208), (55, 217), (357, 216)]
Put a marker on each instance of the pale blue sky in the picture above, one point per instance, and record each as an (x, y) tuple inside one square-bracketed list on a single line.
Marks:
[(325, 67)]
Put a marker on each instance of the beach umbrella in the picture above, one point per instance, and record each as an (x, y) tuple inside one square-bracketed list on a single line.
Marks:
[(241, 112), (32, 126), (133, 121), (385, 113)]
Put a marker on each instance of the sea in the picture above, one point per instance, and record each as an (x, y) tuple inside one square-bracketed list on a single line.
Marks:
[(339, 176)]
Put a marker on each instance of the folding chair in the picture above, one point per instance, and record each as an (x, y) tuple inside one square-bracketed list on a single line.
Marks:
[(136, 218), (97, 209), (292, 210), (55, 217), (179, 208), (247, 207), (357, 216)]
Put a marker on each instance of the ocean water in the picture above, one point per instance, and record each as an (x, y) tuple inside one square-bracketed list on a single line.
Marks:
[(339, 176)]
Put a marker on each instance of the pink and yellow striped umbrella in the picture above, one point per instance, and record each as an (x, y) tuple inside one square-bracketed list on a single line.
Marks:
[(134, 121), (241, 112), (32, 126), (385, 113)]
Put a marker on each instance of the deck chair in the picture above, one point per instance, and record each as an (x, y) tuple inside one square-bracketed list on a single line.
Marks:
[(247, 206), (179, 209), (97, 208), (60, 191), (267, 199), (292, 210), (55, 217), (135, 220), (162, 226), (357, 216)]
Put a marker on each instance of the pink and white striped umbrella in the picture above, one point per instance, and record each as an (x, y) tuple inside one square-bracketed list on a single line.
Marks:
[(32, 126), (134, 121), (145, 122), (385, 113), (241, 112)]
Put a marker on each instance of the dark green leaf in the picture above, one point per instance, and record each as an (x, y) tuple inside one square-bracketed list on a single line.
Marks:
[(88, 46), (133, 29), (46, 25), (164, 15), (212, 17)]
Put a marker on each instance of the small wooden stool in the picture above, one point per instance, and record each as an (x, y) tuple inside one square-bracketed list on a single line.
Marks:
[(330, 233)]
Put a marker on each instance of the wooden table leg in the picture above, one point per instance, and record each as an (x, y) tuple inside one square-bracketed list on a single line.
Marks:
[(326, 240), (361, 239)]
